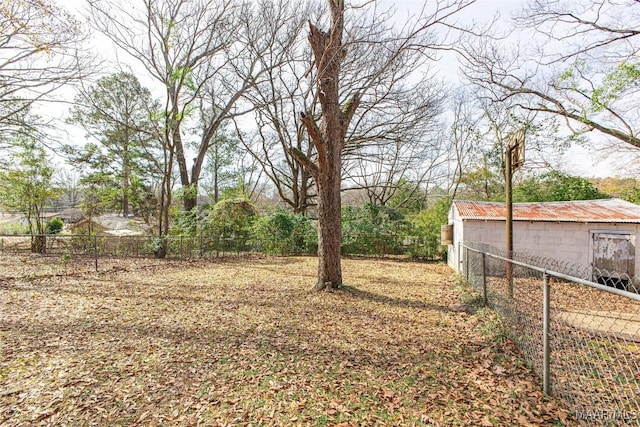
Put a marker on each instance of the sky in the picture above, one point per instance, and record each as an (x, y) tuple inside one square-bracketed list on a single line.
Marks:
[(588, 161)]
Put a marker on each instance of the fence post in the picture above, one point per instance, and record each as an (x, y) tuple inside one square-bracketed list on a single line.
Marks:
[(484, 279), (546, 357), (95, 251), (466, 262)]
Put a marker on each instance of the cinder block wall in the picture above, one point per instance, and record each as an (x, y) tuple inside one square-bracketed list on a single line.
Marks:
[(564, 241)]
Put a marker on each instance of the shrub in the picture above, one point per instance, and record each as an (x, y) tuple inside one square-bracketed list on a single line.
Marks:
[(426, 231), (185, 223), (14, 229), (230, 222), (54, 226), (373, 229), (284, 233)]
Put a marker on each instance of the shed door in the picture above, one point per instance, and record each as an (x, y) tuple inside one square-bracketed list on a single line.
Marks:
[(614, 255)]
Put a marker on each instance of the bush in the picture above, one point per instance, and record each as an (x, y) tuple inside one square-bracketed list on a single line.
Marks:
[(373, 230), (14, 229), (185, 223), (426, 231), (54, 226), (230, 223), (285, 233)]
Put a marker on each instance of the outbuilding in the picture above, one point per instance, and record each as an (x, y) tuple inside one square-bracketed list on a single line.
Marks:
[(601, 234)]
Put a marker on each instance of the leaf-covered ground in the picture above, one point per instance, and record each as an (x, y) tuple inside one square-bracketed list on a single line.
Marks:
[(242, 342)]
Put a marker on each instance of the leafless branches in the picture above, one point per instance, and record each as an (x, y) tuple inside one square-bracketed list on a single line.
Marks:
[(40, 51), (584, 68), (205, 54)]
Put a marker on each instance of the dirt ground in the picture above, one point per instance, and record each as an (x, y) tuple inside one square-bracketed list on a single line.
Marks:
[(241, 341)]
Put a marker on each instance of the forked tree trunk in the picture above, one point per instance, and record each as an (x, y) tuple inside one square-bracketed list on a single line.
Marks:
[(328, 139)]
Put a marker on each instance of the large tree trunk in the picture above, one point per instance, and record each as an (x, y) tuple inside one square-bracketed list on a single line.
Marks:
[(329, 228), (328, 139)]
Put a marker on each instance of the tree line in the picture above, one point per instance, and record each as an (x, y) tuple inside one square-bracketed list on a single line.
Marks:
[(299, 106)]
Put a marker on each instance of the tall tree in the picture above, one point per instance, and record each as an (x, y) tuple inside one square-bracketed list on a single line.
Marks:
[(116, 113), (329, 131), (464, 137), (199, 51), (220, 169), (392, 131), (396, 137), (279, 98), (328, 139), (481, 132)]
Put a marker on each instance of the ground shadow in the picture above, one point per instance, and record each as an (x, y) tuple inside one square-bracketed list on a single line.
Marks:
[(395, 302)]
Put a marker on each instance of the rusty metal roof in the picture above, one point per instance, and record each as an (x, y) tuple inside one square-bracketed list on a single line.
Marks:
[(605, 210)]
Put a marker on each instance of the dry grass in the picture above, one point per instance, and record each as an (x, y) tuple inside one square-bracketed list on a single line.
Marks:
[(242, 342)]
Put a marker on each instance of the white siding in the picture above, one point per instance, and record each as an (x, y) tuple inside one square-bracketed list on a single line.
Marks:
[(564, 241), (453, 251)]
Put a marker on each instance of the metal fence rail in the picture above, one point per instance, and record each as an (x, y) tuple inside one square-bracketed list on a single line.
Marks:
[(580, 336)]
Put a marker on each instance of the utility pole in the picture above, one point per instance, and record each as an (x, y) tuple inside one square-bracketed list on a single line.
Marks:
[(514, 158)]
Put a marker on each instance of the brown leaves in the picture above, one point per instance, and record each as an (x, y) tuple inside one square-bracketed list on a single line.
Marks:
[(243, 343)]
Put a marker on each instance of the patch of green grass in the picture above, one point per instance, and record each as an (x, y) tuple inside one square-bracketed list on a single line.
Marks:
[(321, 421), (467, 295), (491, 325)]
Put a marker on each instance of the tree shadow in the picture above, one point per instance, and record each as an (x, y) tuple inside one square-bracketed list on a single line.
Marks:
[(392, 301)]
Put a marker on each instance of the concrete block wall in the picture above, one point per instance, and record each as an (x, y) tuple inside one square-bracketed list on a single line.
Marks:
[(564, 241)]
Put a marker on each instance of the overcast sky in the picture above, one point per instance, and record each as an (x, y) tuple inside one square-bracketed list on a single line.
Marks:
[(579, 160)]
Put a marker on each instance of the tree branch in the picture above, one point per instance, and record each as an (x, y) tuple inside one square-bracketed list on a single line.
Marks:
[(316, 136), (301, 158)]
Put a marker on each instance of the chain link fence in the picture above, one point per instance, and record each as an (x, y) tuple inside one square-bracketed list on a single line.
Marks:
[(579, 329), (178, 247)]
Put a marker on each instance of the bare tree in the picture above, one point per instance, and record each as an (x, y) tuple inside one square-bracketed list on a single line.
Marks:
[(584, 69), (69, 183), (328, 140), (40, 51), (397, 112), (480, 133), (280, 96), (396, 143), (398, 172), (199, 51), (329, 131), (464, 135)]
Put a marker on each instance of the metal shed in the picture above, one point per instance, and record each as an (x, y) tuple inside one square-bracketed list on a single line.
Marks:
[(601, 234)]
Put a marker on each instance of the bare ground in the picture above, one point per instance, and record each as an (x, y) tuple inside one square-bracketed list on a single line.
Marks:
[(241, 342)]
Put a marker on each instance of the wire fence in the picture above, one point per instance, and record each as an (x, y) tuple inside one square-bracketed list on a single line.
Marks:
[(70, 246), (184, 247), (579, 329)]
